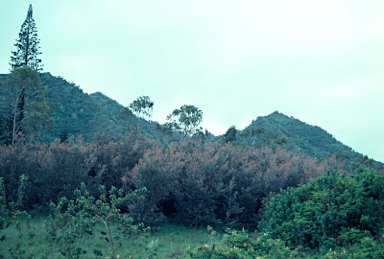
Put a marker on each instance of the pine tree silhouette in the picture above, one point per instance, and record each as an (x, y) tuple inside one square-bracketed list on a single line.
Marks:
[(27, 46)]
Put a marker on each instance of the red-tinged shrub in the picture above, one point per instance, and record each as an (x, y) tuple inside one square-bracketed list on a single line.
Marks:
[(190, 181), (156, 172), (61, 169), (56, 169), (113, 159), (209, 183)]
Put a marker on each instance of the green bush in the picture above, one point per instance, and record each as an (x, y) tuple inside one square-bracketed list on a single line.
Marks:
[(334, 210), (242, 245), (366, 247), (73, 221)]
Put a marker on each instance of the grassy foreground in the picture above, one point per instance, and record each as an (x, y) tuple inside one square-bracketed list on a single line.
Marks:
[(29, 238)]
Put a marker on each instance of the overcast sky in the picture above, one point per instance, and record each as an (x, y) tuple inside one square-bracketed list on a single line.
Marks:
[(321, 62)]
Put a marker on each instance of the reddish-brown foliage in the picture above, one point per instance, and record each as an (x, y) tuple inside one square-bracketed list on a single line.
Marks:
[(192, 182), (213, 183)]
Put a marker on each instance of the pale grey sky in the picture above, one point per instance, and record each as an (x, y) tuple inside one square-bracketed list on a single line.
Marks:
[(321, 62)]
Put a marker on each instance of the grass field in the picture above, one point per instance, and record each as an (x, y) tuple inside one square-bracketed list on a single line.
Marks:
[(174, 239), (30, 239)]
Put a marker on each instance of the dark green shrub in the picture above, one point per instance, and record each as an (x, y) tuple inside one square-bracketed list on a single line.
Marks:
[(366, 247), (330, 211), (242, 245)]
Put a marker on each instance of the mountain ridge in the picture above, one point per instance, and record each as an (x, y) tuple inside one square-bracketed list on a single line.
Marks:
[(78, 113), (86, 114), (300, 134)]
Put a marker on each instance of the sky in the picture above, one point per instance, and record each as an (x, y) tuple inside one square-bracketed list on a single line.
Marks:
[(321, 62)]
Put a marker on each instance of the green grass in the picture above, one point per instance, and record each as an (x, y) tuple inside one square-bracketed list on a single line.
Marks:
[(172, 240), (28, 239)]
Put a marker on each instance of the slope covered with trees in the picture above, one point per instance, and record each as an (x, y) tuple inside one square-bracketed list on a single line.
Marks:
[(281, 130), (75, 112), (78, 113), (312, 140)]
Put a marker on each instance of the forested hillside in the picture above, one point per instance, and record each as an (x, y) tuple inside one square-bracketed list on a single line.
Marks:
[(281, 130), (78, 113), (75, 112), (293, 133)]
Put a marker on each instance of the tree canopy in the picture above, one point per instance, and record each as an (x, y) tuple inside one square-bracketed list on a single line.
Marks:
[(187, 119), (142, 107)]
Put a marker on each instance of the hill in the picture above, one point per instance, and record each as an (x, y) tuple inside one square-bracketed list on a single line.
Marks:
[(75, 112), (281, 129), (278, 129), (78, 113)]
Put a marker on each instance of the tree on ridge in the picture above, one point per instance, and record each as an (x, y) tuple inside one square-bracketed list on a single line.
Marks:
[(187, 119), (142, 107), (27, 46)]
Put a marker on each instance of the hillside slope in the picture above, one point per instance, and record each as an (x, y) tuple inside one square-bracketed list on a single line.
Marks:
[(282, 129), (78, 113), (75, 112), (278, 129)]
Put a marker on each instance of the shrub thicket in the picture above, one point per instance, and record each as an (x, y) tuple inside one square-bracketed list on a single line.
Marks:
[(242, 245), (334, 210), (56, 169), (192, 182), (210, 183), (245, 245), (333, 216)]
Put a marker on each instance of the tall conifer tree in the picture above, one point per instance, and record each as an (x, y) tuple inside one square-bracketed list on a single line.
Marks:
[(22, 91), (25, 108), (27, 46)]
